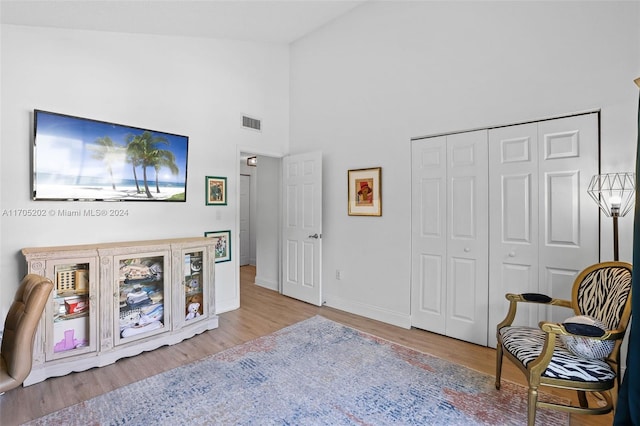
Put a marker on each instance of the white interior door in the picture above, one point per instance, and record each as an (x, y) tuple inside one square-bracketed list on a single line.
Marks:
[(302, 227), (245, 216), (450, 236)]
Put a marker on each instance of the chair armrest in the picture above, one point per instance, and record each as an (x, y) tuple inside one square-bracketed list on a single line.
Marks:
[(538, 298), (581, 330), (552, 331)]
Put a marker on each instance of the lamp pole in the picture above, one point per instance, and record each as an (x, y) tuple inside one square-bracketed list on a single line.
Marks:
[(615, 237), (615, 213)]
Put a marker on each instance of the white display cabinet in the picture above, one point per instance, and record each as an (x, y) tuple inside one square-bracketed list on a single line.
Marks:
[(116, 300)]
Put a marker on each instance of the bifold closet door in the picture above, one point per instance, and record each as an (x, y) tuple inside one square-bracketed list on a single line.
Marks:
[(428, 229), (569, 235), (544, 227), (450, 235), (513, 241)]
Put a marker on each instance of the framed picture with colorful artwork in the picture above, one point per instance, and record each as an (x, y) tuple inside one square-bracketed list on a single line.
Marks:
[(223, 245), (365, 198), (216, 191)]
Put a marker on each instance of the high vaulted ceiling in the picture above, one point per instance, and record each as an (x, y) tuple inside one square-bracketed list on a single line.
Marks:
[(268, 21)]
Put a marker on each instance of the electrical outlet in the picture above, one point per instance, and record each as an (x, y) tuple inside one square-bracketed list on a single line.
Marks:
[(338, 274)]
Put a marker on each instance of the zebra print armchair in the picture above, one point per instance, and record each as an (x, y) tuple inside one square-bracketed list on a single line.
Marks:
[(601, 292)]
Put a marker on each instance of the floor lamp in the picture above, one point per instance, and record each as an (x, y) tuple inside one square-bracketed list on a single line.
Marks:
[(615, 194)]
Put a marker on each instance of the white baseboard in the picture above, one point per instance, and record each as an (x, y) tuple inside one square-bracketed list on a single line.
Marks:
[(369, 311), (266, 283), (228, 305)]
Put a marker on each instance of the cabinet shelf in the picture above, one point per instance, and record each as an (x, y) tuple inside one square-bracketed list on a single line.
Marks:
[(61, 318)]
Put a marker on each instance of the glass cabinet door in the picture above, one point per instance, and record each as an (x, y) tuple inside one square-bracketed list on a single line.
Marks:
[(71, 316), (193, 284), (143, 303)]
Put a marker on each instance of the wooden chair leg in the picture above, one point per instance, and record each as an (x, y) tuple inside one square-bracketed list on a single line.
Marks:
[(614, 393), (533, 405), (582, 399), (498, 365)]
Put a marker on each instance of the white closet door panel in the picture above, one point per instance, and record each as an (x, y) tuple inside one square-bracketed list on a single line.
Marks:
[(431, 293), (466, 295), (516, 209), (467, 242), (560, 280), (513, 243), (428, 240), (561, 212), (431, 192), (463, 204), (569, 237)]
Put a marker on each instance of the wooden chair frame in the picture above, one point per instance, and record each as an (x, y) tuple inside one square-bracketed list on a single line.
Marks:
[(604, 390)]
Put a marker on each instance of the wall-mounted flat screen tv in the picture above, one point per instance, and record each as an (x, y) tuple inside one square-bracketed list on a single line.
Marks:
[(89, 160)]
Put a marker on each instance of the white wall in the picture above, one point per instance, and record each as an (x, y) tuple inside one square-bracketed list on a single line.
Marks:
[(362, 86), (189, 86)]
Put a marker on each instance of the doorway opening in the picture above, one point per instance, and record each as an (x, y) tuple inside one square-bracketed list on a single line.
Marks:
[(259, 217)]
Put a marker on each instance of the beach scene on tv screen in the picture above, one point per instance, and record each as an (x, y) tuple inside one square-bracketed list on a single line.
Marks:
[(83, 159)]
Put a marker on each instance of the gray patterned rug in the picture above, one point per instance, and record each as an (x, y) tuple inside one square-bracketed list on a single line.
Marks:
[(316, 372)]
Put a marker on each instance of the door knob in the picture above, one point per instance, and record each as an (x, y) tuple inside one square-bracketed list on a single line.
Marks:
[(467, 249), (512, 254), (316, 236)]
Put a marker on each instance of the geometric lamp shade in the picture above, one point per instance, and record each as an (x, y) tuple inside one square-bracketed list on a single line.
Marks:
[(613, 192)]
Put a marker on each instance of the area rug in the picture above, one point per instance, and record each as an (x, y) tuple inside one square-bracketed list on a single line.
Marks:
[(315, 372)]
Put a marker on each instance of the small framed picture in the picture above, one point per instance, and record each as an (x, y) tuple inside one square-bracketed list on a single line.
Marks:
[(365, 198), (216, 188), (223, 245)]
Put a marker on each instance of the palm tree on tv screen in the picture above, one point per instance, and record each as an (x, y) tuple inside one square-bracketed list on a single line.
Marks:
[(164, 158), (133, 156), (107, 151), (144, 150)]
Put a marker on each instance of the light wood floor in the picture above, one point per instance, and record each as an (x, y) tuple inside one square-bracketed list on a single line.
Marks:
[(262, 312)]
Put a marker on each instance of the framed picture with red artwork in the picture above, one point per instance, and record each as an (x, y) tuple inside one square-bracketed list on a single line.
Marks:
[(365, 198)]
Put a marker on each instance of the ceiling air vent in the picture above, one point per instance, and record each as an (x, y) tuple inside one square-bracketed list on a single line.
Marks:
[(251, 123)]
